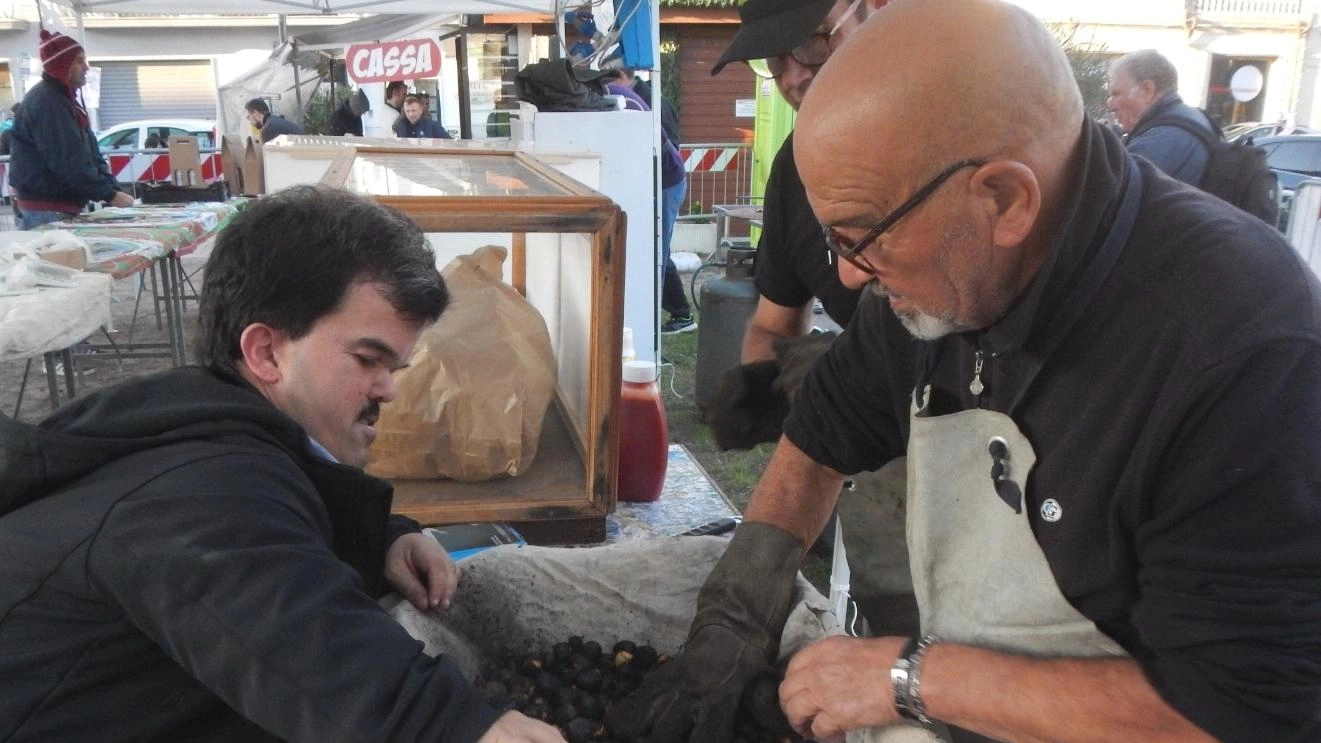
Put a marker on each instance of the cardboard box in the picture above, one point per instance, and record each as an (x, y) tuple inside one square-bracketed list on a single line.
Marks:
[(185, 162), (231, 162), (70, 257), (254, 173)]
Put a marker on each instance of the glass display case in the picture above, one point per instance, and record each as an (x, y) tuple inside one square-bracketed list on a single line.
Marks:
[(566, 248)]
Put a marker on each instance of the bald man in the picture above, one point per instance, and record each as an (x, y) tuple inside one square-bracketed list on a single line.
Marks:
[(1105, 384)]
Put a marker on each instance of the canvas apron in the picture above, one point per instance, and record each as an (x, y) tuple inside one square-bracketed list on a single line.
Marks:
[(978, 572)]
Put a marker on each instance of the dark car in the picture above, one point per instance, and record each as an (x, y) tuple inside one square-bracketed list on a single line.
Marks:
[(1294, 158)]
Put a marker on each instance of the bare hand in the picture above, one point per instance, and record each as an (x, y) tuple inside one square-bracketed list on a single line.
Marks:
[(121, 199), (514, 727), (840, 684), (421, 571)]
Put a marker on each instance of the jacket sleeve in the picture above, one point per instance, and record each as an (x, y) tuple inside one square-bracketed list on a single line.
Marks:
[(74, 162), (1228, 554), (232, 576)]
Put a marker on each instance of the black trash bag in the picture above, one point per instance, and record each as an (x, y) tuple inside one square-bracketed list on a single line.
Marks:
[(551, 85)]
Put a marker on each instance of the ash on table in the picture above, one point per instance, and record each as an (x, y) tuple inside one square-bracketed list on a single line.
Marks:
[(573, 684)]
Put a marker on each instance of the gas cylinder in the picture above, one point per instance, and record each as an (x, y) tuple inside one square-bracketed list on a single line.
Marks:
[(727, 304)]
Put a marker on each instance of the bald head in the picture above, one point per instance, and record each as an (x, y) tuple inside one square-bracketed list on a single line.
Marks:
[(964, 116), (937, 80)]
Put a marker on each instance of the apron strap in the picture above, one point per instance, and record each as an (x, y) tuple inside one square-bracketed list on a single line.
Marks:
[(1097, 271)]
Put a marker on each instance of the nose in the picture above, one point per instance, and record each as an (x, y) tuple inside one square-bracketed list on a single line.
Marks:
[(851, 276), (385, 389)]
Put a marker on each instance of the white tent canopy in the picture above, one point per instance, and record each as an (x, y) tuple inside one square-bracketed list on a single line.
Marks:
[(290, 76)]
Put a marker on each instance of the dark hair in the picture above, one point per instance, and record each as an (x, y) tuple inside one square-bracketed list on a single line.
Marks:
[(393, 86), (258, 105), (289, 259)]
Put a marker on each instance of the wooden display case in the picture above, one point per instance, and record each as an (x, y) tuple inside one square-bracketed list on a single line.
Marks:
[(567, 252)]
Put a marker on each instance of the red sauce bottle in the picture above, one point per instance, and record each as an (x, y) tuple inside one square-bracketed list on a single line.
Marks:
[(644, 436)]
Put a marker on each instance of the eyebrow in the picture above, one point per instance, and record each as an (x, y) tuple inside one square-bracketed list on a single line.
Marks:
[(381, 347)]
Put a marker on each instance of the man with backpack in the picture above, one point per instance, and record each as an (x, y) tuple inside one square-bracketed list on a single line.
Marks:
[(1183, 141)]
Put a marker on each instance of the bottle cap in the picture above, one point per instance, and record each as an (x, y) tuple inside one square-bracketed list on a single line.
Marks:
[(628, 353), (641, 372)]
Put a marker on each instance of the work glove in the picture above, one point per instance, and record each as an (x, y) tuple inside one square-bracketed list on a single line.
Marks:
[(795, 356), (745, 408), (732, 645), (751, 401)]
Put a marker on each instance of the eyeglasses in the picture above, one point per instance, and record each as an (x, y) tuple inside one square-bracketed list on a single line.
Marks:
[(852, 251), (811, 53)]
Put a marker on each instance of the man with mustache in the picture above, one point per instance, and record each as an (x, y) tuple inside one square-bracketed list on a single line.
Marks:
[(197, 555), (1105, 384)]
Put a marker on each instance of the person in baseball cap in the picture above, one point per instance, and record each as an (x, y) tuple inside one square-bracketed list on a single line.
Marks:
[(769, 28), (790, 41), (55, 166)]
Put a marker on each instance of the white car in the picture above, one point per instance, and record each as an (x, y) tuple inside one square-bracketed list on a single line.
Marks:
[(122, 144), (147, 133)]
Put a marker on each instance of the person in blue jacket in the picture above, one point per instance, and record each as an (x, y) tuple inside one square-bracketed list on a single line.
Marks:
[(416, 123)]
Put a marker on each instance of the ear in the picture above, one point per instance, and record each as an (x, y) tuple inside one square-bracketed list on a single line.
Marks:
[(259, 344), (1012, 198)]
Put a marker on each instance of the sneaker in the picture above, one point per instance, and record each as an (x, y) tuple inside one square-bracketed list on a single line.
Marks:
[(678, 324)]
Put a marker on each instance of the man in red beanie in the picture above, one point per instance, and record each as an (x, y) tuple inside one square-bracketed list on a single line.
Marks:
[(55, 164)]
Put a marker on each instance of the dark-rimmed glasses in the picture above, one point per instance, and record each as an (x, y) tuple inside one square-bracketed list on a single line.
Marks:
[(811, 53), (851, 251)]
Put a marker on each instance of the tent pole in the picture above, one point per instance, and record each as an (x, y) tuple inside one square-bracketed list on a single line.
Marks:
[(465, 95), (298, 86)]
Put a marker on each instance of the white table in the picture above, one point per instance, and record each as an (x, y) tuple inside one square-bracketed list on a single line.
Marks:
[(48, 321)]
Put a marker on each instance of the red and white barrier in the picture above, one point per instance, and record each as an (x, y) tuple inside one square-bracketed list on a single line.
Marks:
[(710, 159)]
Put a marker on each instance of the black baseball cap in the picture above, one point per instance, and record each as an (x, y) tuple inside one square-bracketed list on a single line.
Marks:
[(770, 28)]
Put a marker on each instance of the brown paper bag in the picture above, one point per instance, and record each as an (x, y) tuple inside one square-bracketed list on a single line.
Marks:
[(471, 403)]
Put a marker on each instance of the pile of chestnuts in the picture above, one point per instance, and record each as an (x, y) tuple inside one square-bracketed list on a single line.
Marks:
[(573, 685)]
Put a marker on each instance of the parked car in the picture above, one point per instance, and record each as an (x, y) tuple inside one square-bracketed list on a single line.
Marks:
[(1294, 158), (133, 135), (120, 145)]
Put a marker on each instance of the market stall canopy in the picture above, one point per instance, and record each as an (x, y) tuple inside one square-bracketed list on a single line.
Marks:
[(291, 7), (294, 71)]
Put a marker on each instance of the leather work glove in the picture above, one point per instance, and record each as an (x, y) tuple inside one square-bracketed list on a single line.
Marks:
[(732, 644), (745, 409), (795, 357)]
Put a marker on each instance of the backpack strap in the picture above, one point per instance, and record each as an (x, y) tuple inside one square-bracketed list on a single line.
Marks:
[(1208, 138)]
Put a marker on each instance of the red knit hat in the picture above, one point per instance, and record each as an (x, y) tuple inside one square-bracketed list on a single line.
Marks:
[(57, 54)]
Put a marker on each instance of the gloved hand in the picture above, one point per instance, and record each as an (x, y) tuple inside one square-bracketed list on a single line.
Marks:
[(795, 357), (745, 409), (733, 641)]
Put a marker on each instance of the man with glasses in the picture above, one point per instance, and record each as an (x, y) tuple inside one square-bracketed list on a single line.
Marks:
[(1105, 384), (789, 41)]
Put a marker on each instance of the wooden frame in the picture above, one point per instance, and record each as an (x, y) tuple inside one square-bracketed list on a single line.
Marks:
[(566, 494)]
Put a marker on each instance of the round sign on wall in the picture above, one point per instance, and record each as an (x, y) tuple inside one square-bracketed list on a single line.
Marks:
[(1246, 82)]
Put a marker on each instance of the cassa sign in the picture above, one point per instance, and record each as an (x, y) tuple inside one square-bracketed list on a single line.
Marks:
[(394, 60)]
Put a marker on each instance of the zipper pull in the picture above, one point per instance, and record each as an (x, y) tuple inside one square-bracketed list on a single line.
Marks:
[(976, 388)]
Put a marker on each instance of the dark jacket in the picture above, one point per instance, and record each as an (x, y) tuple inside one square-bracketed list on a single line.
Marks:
[(1176, 151), (53, 156), (425, 127), (274, 125), (176, 564), (343, 121)]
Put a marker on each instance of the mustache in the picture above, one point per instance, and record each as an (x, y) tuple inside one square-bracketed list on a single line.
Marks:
[(371, 412)]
